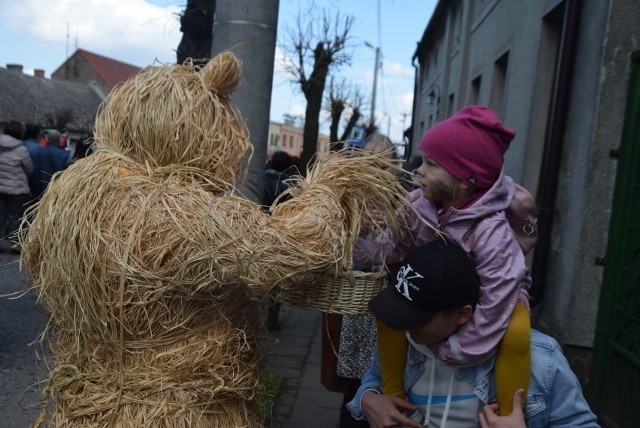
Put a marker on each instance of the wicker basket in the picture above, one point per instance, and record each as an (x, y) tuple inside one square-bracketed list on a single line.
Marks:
[(348, 294)]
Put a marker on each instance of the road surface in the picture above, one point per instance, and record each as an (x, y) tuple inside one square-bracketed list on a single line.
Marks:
[(21, 371)]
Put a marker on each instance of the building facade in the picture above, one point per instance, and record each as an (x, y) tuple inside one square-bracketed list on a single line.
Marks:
[(289, 137), (565, 74)]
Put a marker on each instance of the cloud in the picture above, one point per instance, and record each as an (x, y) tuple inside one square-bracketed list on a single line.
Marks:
[(281, 59), (406, 101), (103, 26), (396, 69)]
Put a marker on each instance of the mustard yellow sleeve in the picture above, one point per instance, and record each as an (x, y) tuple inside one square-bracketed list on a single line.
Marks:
[(392, 355)]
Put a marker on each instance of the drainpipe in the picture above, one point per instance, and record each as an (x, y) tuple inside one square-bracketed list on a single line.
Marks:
[(552, 152), (416, 89)]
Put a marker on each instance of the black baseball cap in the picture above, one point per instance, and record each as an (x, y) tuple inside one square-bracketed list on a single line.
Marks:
[(434, 277)]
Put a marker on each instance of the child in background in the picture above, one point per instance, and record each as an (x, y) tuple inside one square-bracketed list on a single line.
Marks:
[(463, 192)]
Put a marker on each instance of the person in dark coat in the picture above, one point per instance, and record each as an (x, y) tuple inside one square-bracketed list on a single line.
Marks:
[(275, 176), (275, 184), (51, 159), (82, 147), (31, 137)]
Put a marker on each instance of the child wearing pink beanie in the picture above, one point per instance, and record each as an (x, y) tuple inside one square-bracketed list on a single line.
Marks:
[(462, 192), (470, 145)]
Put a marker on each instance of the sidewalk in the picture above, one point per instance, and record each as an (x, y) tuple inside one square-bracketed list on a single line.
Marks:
[(295, 356)]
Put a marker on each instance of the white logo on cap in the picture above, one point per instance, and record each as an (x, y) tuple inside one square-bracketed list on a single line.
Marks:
[(403, 285)]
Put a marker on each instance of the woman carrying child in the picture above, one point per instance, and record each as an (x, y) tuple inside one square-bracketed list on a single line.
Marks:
[(463, 194)]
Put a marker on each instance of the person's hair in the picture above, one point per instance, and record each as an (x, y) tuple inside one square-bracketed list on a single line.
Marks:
[(270, 151), (53, 136), (460, 189), (377, 143), (83, 146), (31, 131), (281, 161), (14, 129)]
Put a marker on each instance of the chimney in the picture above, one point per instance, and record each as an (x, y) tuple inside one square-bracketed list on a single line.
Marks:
[(38, 72), (15, 67)]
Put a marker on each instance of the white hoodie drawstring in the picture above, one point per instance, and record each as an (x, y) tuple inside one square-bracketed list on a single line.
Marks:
[(445, 413), (433, 375)]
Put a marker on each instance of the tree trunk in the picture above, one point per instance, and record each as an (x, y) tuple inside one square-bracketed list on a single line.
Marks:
[(311, 131), (196, 25), (337, 108), (313, 90), (355, 117)]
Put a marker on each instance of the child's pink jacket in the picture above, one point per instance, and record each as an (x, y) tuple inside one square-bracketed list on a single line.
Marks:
[(500, 264)]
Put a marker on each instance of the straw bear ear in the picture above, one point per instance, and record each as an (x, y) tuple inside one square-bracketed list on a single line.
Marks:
[(222, 73)]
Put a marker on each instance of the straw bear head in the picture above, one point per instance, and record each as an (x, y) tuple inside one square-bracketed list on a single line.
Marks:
[(178, 115)]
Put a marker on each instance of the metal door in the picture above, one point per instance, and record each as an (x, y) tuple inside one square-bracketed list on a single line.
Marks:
[(614, 389)]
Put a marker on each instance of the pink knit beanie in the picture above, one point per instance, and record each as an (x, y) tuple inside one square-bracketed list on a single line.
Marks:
[(470, 145)]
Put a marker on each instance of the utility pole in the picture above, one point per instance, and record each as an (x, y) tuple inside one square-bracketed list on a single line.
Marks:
[(375, 83), (248, 28), (388, 126)]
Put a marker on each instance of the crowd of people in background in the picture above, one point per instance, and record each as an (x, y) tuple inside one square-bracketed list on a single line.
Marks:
[(30, 155)]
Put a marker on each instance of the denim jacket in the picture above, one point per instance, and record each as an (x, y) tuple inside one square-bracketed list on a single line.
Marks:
[(554, 397)]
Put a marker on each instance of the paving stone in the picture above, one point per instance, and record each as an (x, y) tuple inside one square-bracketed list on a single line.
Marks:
[(294, 354)]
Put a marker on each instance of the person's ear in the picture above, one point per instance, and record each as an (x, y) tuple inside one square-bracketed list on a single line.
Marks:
[(464, 189), (464, 314)]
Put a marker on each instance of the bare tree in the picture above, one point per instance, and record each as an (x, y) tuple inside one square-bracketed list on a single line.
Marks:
[(315, 46), (196, 25), (342, 100)]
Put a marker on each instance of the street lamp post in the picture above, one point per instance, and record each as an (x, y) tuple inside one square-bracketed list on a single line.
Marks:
[(388, 125), (375, 82)]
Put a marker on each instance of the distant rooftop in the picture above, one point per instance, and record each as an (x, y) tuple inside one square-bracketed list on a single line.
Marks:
[(110, 70), (38, 100)]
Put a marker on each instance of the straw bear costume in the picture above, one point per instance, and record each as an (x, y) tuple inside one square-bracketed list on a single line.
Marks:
[(154, 269)]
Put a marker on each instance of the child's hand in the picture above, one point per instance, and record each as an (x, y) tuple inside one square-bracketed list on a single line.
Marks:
[(490, 415), (372, 224), (384, 411)]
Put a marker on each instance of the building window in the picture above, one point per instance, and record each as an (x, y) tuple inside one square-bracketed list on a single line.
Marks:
[(499, 84), (458, 26), (475, 90), (424, 75)]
